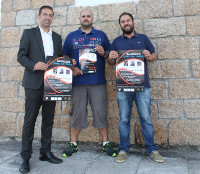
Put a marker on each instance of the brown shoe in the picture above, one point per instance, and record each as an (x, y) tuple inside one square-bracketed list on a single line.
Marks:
[(121, 157), (157, 157)]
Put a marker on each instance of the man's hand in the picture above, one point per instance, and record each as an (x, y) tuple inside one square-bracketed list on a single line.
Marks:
[(77, 71), (100, 50), (113, 55), (150, 57), (146, 54), (40, 66)]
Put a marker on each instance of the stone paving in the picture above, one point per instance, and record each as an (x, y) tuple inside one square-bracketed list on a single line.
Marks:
[(90, 160)]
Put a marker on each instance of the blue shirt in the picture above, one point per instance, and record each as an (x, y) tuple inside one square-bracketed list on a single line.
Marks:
[(137, 42), (79, 40)]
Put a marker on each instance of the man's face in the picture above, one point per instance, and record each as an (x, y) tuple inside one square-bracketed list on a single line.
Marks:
[(86, 19), (126, 24), (46, 17)]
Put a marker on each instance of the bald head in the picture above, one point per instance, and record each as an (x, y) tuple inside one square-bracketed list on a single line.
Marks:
[(85, 10), (86, 19)]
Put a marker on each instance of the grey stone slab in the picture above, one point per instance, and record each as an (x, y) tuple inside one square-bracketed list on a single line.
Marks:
[(193, 167), (10, 158), (6, 155), (170, 166), (76, 164), (36, 164), (90, 160), (82, 156), (193, 155), (10, 145), (172, 154), (109, 165), (10, 165)]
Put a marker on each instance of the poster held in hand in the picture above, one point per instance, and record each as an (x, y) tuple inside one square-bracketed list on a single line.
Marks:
[(130, 71), (88, 60), (58, 79)]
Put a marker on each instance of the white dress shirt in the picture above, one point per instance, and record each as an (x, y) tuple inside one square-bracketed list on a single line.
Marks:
[(47, 42)]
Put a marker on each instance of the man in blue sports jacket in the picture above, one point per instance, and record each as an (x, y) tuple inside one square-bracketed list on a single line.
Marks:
[(130, 40)]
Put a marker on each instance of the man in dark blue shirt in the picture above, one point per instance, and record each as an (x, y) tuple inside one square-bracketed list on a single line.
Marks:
[(90, 46), (130, 40)]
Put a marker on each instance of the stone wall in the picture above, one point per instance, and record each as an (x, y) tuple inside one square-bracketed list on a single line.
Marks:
[(174, 29)]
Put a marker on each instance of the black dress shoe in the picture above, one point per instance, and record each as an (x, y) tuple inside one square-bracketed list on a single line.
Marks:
[(48, 156), (24, 167)]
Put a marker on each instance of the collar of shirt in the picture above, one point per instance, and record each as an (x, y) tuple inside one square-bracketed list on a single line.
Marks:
[(42, 31), (47, 42), (91, 32), (135, 35)]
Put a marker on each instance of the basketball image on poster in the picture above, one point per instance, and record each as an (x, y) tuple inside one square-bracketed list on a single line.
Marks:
[(58, 79), (130, 71), (88, 60)]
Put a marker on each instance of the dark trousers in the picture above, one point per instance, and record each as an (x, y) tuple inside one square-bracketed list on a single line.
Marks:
[(33, 102)]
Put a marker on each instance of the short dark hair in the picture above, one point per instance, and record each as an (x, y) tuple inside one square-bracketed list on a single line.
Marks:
[(43, 7), (125, 13)]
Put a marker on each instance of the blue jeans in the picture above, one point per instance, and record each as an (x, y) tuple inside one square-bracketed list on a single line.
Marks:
[(143, 104)]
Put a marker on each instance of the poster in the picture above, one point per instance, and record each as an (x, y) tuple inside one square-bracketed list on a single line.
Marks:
[(58, 79), (88, 60), (130, 71)]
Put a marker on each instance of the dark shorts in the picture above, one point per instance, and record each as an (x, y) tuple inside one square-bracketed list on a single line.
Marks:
[(96, 95)]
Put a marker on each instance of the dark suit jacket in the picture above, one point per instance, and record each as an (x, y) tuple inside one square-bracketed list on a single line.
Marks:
[(31, 51)]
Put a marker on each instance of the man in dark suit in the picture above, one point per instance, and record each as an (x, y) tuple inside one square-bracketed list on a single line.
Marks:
[(35, 45)]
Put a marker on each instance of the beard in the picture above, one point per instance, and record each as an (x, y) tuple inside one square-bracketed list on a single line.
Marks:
[(86, 25), (128, 31)]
